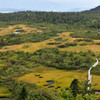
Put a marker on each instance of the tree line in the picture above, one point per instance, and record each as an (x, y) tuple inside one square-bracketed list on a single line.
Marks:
[(69, 18)]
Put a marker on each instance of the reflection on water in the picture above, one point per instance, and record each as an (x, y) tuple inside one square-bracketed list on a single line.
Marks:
[(50, 82)]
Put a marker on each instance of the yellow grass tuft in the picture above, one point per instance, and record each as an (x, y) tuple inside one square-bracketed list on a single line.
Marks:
[(4, 92), (10, 29), (93, 48)]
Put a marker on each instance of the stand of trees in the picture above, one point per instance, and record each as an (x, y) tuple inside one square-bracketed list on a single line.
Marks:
[(26, 91), (49, 17), (90, 19), (52, 57), (12, 39)]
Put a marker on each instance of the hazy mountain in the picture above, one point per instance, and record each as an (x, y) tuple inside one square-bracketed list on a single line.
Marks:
[(94, 10), (9, 10)]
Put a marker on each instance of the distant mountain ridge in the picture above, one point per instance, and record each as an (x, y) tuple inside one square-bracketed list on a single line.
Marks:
[(86, 17), (94, 10), (9, 10)]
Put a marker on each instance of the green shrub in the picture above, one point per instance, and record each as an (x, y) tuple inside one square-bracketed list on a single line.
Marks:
[(67, 45), (52, 57)]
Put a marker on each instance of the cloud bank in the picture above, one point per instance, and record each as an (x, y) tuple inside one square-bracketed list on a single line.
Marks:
[(50, 5)]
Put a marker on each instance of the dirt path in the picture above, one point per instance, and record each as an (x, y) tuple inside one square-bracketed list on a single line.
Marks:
[(89, 72)]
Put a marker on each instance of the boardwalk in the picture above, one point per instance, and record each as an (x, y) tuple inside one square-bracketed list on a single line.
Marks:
[(89, 72)]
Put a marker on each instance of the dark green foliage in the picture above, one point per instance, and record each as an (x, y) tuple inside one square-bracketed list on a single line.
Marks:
[(67, 45), (26, 91), (84, 19), (84, 89), (69, 18), (67, 95), (23, 94), (43, 95), (52, 57), (16, 63), (95, 10), (49, 17), (20, 30), (83, 44), (85, 40), (96, 70), (12, 39), (86, 33), (98, 43), (95, 25), (53, 43), (20, 90), (74, 87)]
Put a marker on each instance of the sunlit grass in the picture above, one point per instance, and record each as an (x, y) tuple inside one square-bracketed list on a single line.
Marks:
[(93, 48), (4, 92), (96, 82), (61, 78), (74, 49), (13, 28)]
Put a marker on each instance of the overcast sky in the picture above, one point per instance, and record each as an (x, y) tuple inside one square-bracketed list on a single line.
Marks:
[(49, 5)]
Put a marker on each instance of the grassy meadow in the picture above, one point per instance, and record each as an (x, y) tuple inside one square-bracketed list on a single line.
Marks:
[(31, 47), (40, 75), (4, 92), (43, 74)]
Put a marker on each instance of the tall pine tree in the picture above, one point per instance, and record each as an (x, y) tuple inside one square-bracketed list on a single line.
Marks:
[(74, 87)]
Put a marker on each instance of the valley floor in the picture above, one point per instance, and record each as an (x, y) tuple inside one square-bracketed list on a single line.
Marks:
[(40, 75)]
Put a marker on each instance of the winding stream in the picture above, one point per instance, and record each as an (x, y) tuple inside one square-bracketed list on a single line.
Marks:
[(89, 73)]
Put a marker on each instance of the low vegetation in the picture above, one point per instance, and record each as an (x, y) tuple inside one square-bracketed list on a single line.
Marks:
[(96, 70), (68, 45), (12, 39), (16, 64), (52, 57), (89, 33)]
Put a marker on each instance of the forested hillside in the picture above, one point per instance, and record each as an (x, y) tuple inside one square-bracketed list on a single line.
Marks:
[(51, 17), (88, 18), (94, 10)]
